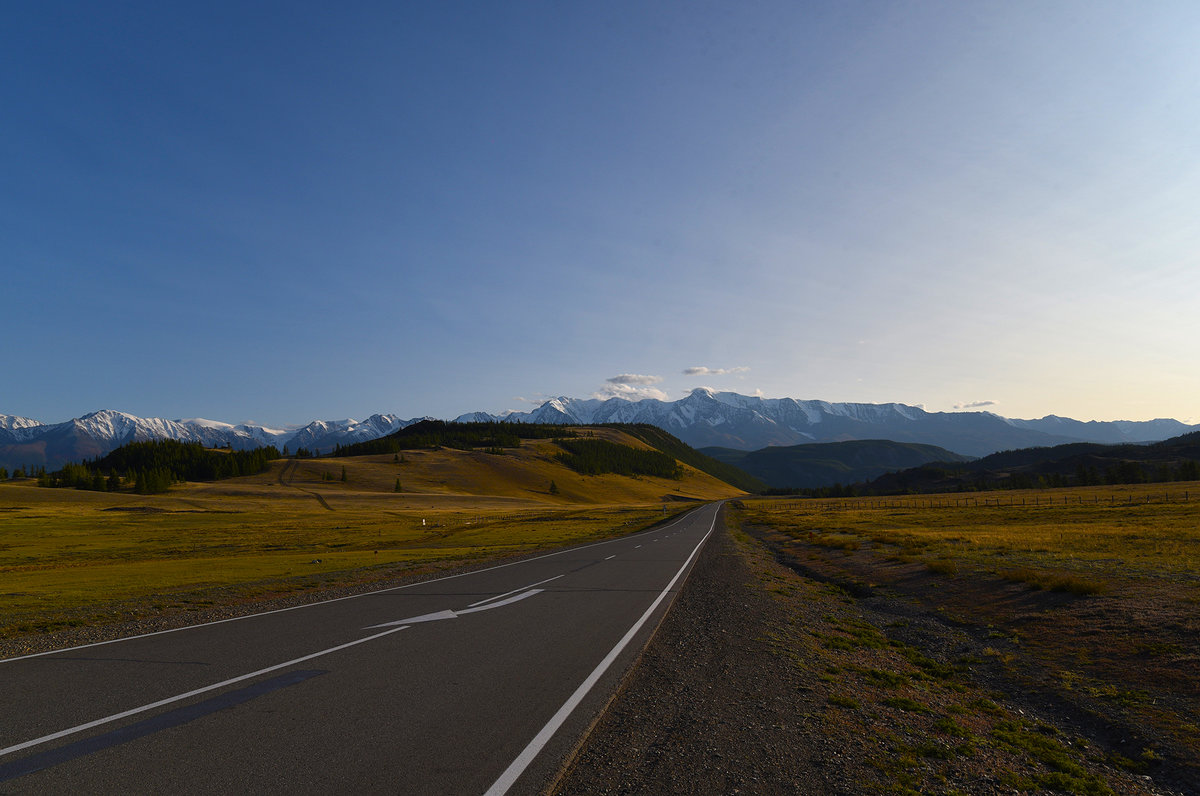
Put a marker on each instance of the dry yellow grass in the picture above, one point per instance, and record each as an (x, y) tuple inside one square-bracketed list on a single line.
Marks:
[(1089, 594), (62, 550), (1147, 530)]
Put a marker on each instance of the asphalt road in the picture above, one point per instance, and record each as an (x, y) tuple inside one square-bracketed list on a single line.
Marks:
[(481, 682)]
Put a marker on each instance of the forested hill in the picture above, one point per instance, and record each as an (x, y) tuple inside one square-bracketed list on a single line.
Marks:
[(828, 463), (428, 434), (664, 441), (1079, 464)]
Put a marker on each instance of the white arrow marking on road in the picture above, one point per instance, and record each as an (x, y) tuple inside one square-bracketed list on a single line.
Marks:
[(422, 618), (509, 601), (455, 614)]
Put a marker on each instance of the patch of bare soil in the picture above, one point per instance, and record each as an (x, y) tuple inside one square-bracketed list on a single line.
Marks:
[(766, 678), (1122, 668)]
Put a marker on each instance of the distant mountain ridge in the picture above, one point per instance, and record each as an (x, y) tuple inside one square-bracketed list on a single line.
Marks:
[(704, 418)]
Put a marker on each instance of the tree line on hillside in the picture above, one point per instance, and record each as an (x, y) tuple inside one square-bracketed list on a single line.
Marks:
[(151, 467), (599, 456), (433, 434), (669, 444), (1074, 464), (23, 471)]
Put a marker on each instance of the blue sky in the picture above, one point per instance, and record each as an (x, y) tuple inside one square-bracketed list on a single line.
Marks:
[(288, 212)]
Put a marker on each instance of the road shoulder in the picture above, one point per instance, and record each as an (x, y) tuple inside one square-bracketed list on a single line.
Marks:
[(763, 680)]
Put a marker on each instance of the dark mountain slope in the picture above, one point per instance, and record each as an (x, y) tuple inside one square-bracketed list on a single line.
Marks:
[(829, 463)]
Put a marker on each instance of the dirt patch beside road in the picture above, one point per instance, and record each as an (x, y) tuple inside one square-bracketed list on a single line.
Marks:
[(765, 680)]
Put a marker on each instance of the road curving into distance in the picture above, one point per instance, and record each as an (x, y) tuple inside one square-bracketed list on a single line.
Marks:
[(481, 682)]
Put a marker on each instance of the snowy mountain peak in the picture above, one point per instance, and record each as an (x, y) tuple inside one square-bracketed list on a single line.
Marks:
[(111, 424), (14, 423), (203, 423)]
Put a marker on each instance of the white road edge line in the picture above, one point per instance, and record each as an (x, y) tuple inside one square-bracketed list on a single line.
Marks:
[(134, 711), (514, 591), (336, 599), (518, 766)]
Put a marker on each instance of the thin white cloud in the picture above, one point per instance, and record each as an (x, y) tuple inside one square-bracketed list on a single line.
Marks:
[(630, 392), (974, 405), (703, 371), (536, 399), (634, 378)]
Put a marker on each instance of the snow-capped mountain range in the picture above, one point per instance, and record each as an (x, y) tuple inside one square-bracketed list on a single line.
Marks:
[(26, 443), (726, 419), (701, 419)]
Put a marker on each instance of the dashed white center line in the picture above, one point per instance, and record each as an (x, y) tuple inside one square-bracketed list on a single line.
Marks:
[(610, 558), (514, 591)]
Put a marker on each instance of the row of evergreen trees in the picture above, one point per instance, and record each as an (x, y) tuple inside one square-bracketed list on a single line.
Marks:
[(1123, 472), (598, 456), (433, 434), (940, 478), (151, 467)]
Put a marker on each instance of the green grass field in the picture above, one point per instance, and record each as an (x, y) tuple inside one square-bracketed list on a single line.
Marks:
[(1121, 531), (67, 557)]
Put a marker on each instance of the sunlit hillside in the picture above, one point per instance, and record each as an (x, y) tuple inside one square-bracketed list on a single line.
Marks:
[(74, 557)]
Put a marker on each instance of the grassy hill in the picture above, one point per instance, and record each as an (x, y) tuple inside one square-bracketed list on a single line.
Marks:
[(72, 558), (829, 463), (514, 438), (524, 473)]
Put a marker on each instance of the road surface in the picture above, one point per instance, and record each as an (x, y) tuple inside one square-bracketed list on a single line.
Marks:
[(481, 682)]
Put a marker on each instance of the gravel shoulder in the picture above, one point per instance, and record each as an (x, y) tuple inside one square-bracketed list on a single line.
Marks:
[(765, 679)]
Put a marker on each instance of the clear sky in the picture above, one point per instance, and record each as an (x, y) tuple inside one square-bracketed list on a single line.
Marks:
[(277, 212)]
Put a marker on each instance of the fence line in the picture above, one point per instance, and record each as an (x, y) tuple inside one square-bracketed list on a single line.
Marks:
[(999, 502)]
